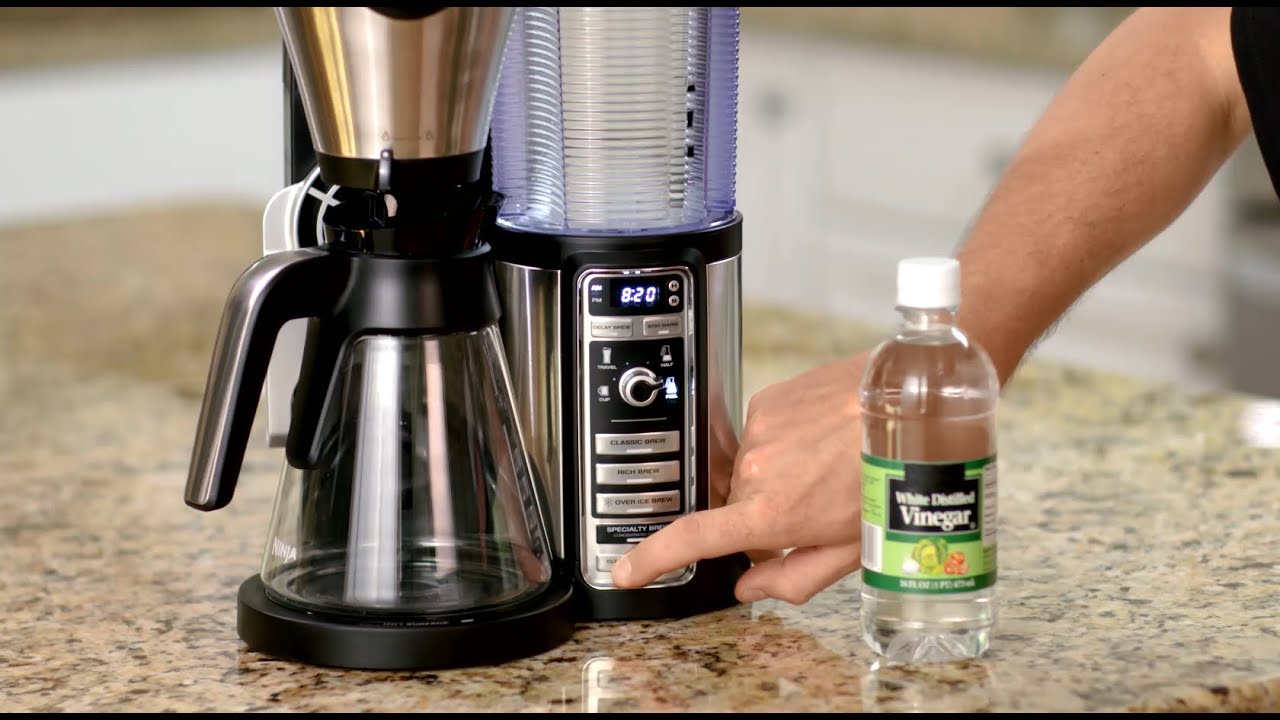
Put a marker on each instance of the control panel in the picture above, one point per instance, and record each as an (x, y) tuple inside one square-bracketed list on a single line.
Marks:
[(636, 412)]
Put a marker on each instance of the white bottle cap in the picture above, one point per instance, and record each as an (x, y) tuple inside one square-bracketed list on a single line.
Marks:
[(929, 282)]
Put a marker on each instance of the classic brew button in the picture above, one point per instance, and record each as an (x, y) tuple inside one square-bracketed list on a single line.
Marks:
[(638, 473), (674, 285), (663, 325), (652, 503), (605, 563), (612, 328), (638, 443)]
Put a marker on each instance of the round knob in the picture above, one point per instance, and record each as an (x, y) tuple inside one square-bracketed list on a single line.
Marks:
[(639, 386)]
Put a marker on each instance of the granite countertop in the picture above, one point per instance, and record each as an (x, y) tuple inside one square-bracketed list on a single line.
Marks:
[(1137, 527)]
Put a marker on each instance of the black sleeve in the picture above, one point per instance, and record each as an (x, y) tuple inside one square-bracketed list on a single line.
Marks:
[(1255, 41)]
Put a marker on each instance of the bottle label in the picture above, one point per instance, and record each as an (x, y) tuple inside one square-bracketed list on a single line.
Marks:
[(928, 528)]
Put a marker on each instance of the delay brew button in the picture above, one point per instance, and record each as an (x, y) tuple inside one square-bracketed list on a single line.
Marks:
[(651, 503), (638, 473), (637, 443), (612, 328), (663, 325)]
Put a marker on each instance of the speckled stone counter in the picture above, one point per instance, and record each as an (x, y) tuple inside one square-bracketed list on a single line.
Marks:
[(1138, 566)]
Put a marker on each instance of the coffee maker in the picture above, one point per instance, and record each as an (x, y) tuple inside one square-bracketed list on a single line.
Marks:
[(408, 530), (617, 250), (519, 350), (618, 253)]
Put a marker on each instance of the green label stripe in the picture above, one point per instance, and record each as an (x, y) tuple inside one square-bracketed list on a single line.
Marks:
[(899, 465), (930, 587), (902, 537)]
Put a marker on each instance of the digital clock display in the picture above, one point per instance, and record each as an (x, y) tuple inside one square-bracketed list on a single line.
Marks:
[(648, 295), (635, 296)]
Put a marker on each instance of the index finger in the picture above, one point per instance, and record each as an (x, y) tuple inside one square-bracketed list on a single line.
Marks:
[(698, 536)]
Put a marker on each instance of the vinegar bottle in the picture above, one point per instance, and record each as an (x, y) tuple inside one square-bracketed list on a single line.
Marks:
[(929, 398)]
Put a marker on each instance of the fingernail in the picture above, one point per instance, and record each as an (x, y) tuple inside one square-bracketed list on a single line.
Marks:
[(622, 571), (753, 595)]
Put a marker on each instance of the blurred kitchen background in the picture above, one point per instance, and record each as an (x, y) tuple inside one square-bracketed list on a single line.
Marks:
[(867, 134)]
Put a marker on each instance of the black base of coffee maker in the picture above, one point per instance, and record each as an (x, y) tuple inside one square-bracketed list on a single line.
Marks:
[(398, 644), (710, 589)]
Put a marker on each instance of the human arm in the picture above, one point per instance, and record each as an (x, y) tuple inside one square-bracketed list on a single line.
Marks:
[(1132, 138), (1124, 148)]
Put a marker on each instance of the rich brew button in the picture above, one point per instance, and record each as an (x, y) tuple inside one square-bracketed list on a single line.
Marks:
[(638, 473), (650, 503), (612, 328), (638, 443), (663, 325)]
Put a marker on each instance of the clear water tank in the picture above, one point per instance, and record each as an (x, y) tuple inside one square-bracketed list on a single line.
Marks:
[(618, 120)]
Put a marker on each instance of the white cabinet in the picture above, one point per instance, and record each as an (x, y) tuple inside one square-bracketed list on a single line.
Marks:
[(780, 152), (853, 157)]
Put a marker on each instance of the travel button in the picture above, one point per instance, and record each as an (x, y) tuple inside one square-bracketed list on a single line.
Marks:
[(638, 443), (612, 328), (663, 325)]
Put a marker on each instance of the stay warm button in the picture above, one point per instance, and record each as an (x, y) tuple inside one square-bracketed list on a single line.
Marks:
[(638, 443)]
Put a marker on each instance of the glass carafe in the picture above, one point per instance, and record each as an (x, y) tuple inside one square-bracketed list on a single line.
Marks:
[(423, 502)]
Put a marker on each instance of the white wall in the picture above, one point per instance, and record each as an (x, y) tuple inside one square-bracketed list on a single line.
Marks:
[(852, 158), (85, 139)]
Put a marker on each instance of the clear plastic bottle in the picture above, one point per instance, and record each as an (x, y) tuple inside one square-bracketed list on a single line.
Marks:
[(929, 398)]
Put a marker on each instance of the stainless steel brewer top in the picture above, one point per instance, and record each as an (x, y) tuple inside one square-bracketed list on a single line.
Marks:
[(417, 81)]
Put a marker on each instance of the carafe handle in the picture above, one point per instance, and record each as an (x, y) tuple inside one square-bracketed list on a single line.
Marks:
[(278, 288)]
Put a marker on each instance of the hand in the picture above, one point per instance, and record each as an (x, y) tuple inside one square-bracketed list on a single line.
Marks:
[(796, 484)]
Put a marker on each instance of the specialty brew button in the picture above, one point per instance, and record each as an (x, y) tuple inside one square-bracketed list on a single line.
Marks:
[(637, 443), (638, 473), (627, 533), (650, 503), (612, 328), (663, 325)]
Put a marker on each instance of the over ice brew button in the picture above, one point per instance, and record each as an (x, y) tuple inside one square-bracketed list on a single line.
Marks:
[(638, 443), (652, 503)]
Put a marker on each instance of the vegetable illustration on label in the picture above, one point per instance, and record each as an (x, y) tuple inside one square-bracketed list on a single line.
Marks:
[(930, 552)]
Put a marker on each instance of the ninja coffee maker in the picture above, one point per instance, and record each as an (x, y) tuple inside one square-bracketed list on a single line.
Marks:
[(618, 249), (497, 359), (408, 529)]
